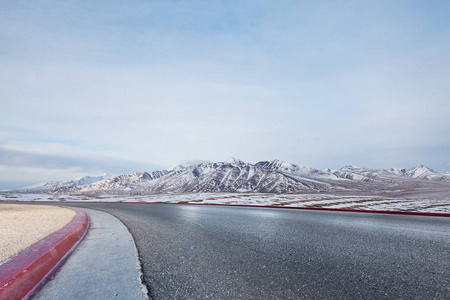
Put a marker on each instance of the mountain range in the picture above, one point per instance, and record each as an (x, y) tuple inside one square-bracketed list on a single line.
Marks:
[(236, 176), (61, 185)]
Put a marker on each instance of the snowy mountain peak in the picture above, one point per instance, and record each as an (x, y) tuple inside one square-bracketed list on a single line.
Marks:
[(234, 161), (90, 179), (234, 175), (420, 171), (288, 168), (53, 185), (422, 167), (350, 168), (281, 164), (176, 168)]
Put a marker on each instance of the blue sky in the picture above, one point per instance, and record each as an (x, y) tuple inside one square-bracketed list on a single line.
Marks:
[(88, 87)]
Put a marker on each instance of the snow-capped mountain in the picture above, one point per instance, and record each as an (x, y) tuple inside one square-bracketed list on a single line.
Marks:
[(357, 173), (288, 168), (234, 175), (176, 168), (237, 176), (235, 161), (417, 172), (62, 185), (423, 172), (397, 171)]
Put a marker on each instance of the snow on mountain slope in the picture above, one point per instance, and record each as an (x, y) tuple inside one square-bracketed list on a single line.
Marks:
[(84, 180), (397, 171), (286, 167), (235, 161), (122, 183), (234, 175), (352, 172), (177, 168), (176, 182), (370, 175), (40, 187), (62, 185), (228, 177), (313, 178), (421, 172)]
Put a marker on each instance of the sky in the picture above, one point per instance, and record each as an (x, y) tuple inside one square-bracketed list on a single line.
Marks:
[(88, 87)]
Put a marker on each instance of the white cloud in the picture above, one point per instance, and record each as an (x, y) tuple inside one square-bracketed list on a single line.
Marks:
[(159, 83)]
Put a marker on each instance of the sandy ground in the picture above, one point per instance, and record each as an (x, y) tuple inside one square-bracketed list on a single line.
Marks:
[(22, 225)]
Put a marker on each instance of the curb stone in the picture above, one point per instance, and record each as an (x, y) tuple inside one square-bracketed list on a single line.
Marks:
[(22, 275)]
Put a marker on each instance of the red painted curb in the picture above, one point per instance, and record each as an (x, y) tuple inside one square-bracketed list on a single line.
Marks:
[(23, 274)]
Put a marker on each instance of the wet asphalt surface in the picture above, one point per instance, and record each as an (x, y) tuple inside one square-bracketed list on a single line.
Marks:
[(201, 252)]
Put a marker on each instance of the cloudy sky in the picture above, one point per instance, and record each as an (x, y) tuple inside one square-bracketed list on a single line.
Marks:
[(88, 87)]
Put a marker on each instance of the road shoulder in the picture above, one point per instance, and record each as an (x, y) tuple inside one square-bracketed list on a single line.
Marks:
[(105, 265)]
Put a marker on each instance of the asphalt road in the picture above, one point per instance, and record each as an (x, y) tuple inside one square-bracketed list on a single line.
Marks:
[(201, 252)]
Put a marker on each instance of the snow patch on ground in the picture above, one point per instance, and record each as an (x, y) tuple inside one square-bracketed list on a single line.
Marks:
[(281, 200)]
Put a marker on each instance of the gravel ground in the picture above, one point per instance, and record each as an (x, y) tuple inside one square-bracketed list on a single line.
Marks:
[(22, 225)]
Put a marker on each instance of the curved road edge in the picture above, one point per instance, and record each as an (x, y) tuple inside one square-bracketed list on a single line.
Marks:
[(105, 265), (25, 273)]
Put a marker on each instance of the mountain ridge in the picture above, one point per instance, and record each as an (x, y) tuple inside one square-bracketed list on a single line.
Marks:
[(236, 176), (60, 185)]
